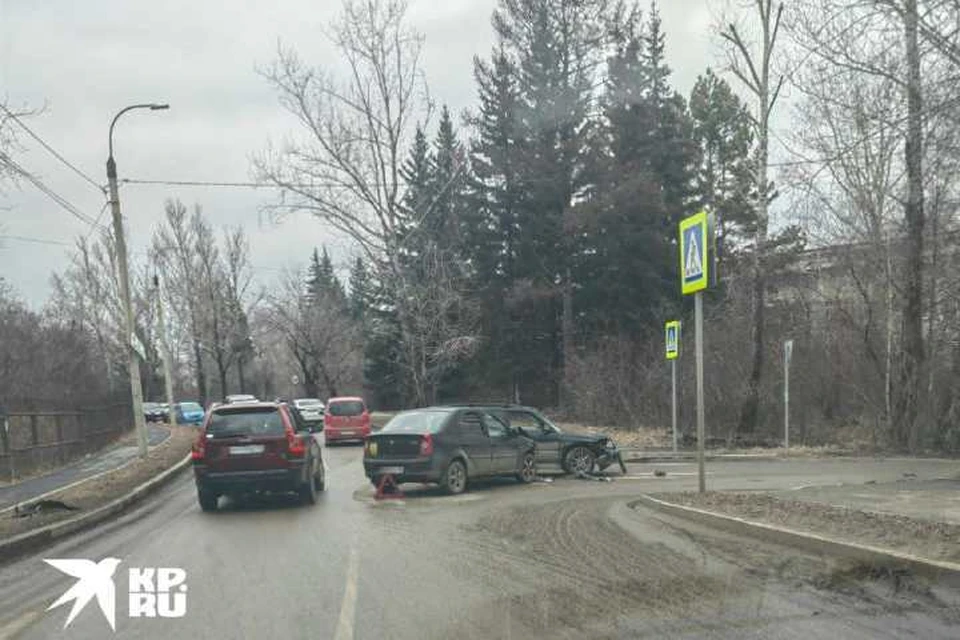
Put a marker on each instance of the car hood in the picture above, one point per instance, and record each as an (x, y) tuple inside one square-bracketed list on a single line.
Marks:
[(583, 438)]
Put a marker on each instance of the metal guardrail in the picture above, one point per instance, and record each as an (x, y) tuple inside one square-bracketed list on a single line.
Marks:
[(35, 440)]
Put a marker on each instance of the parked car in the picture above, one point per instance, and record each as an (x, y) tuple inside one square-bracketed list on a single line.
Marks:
[(559, 450), (256, 447), (189, 413), (154, 412), (449, 446), (312, 411), (240, 397), (346, 418)]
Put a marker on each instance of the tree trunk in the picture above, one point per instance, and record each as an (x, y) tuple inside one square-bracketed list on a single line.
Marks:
[(222, 371), (201, 376), (240, 377), (913, 348)]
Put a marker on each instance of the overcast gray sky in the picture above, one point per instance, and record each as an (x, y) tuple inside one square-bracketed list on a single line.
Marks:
[(85, 60)]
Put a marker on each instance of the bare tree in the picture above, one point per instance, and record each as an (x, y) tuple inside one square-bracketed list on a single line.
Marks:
[(347, 169), (321, 337), (754, 67), (173, 251)]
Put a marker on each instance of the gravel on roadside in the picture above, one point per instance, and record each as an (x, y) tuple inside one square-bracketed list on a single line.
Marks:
[(923, 538), (100, 490)]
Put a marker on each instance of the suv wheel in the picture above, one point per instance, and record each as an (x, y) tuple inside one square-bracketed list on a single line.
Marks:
[(579, 460), (455, 477), (321, 478), (308, 490), (207, 499), (528, 469)]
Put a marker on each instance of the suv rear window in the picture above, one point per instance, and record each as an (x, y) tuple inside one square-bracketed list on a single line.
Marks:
[(416, 422), (259, 421), (346, 408)]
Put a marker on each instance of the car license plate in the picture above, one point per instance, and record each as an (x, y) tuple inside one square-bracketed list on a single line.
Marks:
[(347, 433), (395, 471), (246, 450)]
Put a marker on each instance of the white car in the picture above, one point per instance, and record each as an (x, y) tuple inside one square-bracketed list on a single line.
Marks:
[(311, 409), (241, 398)]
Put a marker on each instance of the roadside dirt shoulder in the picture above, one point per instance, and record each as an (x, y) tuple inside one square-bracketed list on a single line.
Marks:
[(924, 538), (98, 491)]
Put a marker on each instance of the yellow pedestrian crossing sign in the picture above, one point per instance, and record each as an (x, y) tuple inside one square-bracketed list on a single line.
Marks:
[(672, 329), (694, 265)]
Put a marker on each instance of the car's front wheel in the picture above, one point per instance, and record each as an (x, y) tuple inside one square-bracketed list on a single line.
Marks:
[(579, 460), (207, 499), (455, 477), (528, 468)]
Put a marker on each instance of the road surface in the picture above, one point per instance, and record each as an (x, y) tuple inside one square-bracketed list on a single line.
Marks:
[(567, 559)]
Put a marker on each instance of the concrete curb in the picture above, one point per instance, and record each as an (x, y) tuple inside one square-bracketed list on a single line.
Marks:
[(640, 456), (28, 540), (935, 569)]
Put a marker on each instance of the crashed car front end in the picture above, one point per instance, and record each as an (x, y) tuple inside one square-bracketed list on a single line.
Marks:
[(607, 453)]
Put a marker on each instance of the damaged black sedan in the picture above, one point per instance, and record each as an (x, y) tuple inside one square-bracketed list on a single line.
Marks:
[(558, 450)]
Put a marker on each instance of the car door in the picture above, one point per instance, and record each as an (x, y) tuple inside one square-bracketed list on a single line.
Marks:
[(503, 447), (474, 441), (546, 437)]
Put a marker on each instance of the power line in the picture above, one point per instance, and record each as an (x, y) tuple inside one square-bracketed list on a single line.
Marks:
[(97, 221), (53, 151), (47, 191), (36, 240)]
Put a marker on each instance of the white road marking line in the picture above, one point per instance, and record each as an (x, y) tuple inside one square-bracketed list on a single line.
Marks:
[(349, 605)]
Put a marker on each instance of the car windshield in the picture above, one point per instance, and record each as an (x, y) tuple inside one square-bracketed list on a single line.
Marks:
[(254, 421), (417, 422), (190, 406), (304, 403), (345, 408)]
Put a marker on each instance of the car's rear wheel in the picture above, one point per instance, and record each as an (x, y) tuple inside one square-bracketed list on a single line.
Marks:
[(528, 469), (208, 500), (579, 460), (455, 477), (308, 491), (321, 479)]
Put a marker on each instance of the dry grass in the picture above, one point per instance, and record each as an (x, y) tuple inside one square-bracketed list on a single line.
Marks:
[(924, 538), (98, 491)]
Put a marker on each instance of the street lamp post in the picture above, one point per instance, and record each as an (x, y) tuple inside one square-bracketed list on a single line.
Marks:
[(133, 363)]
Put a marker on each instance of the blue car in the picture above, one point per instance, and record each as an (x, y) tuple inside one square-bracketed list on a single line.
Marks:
[(189, 413)]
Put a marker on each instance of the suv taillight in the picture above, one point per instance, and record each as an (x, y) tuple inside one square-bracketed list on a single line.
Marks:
[(199, 448), (426, 445), (295, 444)]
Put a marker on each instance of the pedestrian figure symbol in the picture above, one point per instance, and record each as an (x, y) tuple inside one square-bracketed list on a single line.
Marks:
[(693, 265)]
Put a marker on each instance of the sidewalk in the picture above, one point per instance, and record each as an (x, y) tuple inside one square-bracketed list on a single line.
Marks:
[(931, 500), (106, 460)]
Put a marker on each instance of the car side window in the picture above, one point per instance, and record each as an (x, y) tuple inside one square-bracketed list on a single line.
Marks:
[(527, 421), (495, 428), (469, 425), (298, 424)]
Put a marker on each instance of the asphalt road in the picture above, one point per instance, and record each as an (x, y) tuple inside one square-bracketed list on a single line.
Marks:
[(567, 559)]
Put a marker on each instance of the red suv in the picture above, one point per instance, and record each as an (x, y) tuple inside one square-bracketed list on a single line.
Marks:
[(263, 446), (346, 418)]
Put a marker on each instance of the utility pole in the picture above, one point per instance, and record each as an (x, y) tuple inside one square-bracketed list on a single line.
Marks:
[(165, 345), (133, 363)]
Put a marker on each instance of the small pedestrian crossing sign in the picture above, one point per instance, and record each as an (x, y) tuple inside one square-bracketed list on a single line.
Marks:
[(673, 339), (694, 266)]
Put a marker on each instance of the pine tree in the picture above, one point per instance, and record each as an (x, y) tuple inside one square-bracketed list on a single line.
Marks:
[(723, 133)]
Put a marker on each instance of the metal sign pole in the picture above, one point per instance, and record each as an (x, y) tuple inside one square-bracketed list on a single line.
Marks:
[(673, 367), (701, 428), (787, 353)]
